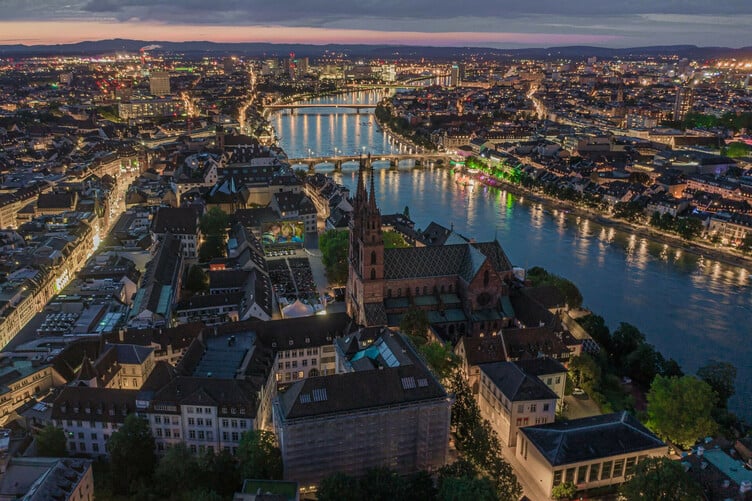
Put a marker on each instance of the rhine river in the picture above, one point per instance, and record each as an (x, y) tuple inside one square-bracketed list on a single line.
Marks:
[(692, 309)]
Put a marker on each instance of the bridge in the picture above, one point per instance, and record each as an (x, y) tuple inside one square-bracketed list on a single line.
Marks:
[(294, 106), (420, 159)]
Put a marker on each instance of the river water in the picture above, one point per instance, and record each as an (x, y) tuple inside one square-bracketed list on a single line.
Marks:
[(692, 309)]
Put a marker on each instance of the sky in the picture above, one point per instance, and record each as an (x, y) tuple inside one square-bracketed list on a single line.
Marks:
[(479, 23)]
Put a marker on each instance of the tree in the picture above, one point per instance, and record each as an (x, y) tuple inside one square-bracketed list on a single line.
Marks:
[(339, 487), (464, 488), (679, 409), (393, 240), (585, 372), (259, 455), (460, 468), (334, 246), (178, 471), (219, 473), (440, 358), (213, 226), (381, 484), (661, 479), (406, 212), (197, 279), (419, 485), (624, 340), (721, 377), (51, 442), (131, 451), (566, 490), (414, 322), (595, 325)]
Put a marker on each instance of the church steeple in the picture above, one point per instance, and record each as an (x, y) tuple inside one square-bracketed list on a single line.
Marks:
[(372, 195)]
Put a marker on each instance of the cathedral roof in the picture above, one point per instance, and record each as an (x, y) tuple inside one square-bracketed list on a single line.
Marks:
[(434, 261)]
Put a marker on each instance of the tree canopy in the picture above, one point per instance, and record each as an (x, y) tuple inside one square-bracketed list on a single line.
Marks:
[(661, 479), (414, 322), (440, 358), (334, 246), (539, 276), (680, 409), (197, 279), (721, 376), (259, 455), (51, 442), (132, 458)]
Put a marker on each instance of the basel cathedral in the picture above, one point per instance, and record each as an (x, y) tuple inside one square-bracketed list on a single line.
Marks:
[(462, 285)]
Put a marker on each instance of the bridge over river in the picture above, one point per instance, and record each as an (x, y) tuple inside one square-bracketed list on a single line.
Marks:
[(393, 160)]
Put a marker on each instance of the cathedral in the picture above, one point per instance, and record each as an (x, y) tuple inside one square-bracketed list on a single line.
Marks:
[(462, 285)]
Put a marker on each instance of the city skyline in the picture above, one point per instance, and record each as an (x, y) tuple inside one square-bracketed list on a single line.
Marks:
[(479, 23)]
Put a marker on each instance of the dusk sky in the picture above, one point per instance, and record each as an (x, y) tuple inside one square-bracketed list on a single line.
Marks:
[(489, 23)]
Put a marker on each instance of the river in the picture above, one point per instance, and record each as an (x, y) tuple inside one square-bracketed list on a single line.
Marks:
[(692, 309)]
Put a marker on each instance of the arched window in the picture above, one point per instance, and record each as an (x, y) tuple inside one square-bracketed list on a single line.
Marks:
[(373, 274), (373, 257), (486, 278)]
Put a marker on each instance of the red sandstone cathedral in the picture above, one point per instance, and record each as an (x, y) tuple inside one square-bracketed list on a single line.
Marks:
[(462, 285)]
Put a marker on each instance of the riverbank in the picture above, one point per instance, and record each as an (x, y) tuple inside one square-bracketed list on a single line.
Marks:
[(697, 248)]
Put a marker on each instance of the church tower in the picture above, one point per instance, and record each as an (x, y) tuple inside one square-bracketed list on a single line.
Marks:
[(365, 283)]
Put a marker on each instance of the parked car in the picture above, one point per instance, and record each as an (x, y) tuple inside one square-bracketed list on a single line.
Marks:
[(578, 392)]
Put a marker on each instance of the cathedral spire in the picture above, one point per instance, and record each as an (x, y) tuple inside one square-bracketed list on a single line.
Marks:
[(372, 193), (360, 193)]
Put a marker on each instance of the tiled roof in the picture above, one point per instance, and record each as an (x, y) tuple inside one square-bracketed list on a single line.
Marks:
[(591, 438), (360, 390), (515, 384)]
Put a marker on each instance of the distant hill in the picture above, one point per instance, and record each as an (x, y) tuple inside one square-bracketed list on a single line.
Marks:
[(376, 51)]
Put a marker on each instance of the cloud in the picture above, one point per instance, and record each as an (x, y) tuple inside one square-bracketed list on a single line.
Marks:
[(632, 21)]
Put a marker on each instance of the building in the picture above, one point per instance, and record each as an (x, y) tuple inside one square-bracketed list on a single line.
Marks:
[(181, 222), (509, 399), (460, 284), (387, 411), (159, 83), (589, 452), (685, 97), (148, 108), (551, 372), (43, 479), (20, 382), (89, 416)]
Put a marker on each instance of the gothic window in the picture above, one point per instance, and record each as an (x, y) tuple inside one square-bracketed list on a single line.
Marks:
[(373, 257), (399, 292), (389, 293), (442, 289), (425, 290), (486, 278), (373, 274)]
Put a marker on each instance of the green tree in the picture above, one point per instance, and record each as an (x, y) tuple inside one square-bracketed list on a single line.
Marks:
[(219, 473), (737, 150), (414, 322), (178, 471), (334, 246), (259, 455), (197, 279), (467, 488), (566, 490), (721, 377), (381, 484), (213, 225), (339, 487), (393, 240), (460, 468), (624, 340), (131, 450), (585, 372), (440, 358), (661, 479), (51, 442), (214, 222), (595, 325), (679, 409), (419, 485), (213, 247)]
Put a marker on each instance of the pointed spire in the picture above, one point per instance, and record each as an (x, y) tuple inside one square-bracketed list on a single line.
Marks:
[(372, 193), (360, 193)]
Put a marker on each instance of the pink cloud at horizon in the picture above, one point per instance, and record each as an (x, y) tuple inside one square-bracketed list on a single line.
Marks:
[(61, 32)]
